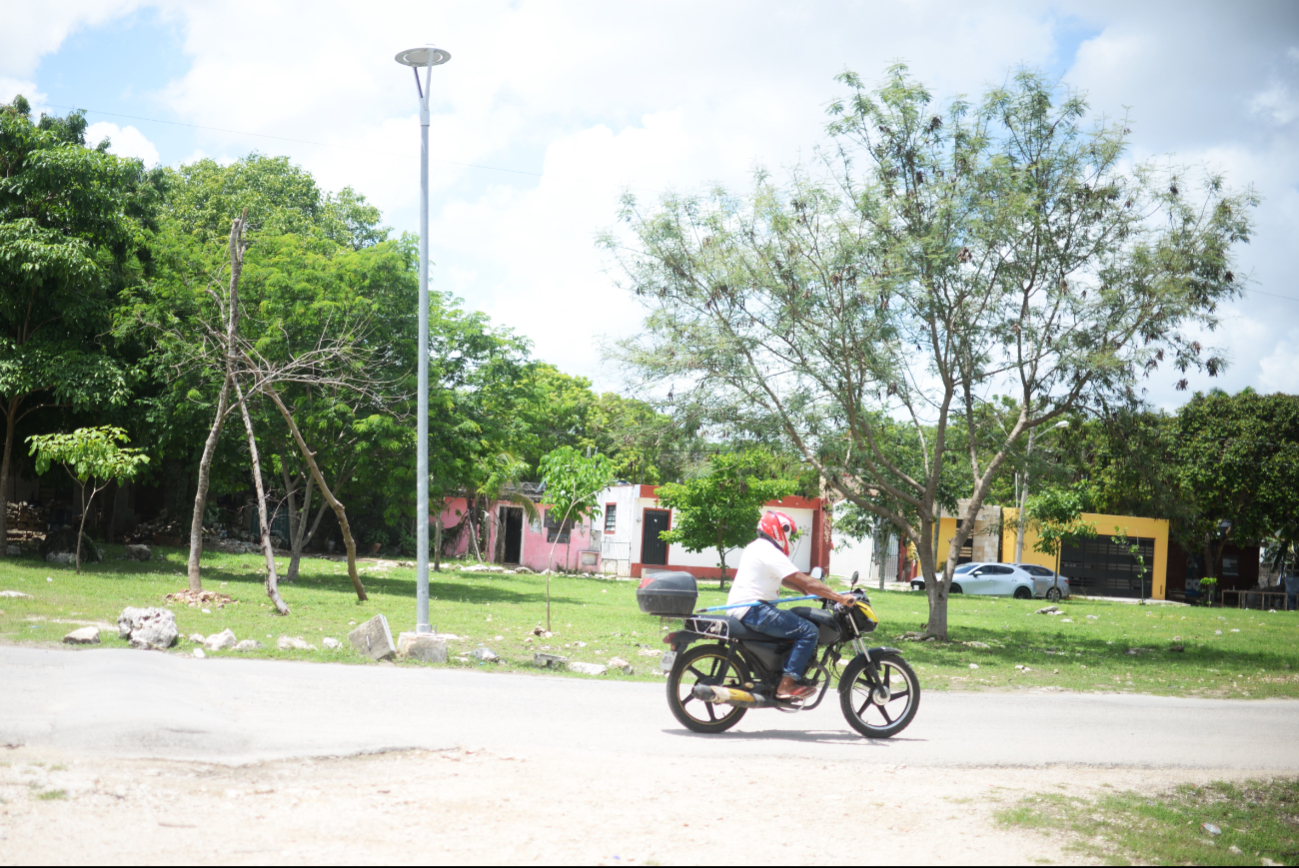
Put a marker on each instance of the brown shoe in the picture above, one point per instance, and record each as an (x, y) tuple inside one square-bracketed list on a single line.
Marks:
[(791, 689)]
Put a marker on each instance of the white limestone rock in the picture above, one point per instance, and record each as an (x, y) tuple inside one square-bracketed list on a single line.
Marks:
[(221, 641), (150, 628), (83, 636), (425, 647)]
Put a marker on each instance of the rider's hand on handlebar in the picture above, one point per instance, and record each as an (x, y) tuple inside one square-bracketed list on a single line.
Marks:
[(846, 600)]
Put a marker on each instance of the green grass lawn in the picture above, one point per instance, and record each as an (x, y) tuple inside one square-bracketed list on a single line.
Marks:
[(1227, 652), (1257, 823)]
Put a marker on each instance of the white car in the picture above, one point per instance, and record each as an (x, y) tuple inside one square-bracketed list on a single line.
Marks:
[(1048, 583), (994, 580)]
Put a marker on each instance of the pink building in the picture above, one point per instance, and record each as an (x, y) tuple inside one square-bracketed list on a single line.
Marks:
[(511, 538), (622, 539)]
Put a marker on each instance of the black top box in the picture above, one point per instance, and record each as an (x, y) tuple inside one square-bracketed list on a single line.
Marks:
[(671, 595)]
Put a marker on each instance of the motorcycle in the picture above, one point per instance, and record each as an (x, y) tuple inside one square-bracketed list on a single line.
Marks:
[(712, 686)]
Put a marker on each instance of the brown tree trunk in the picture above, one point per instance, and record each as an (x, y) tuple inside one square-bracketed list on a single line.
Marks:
[(472, 504), (437, 544), (310, 457), (200, 496), (11, 423), (301, 534), (272, 581), (81, 528), (237, 248)]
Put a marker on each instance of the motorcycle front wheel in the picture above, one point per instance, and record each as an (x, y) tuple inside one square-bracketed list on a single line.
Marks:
[(704, 664), (879, 708)]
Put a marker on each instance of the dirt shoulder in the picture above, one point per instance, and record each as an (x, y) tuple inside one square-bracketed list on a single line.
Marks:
[(470, 806)]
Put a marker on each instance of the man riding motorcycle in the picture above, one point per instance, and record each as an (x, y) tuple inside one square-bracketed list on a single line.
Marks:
[(764, 567)]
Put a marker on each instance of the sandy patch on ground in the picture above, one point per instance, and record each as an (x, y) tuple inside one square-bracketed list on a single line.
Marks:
[(474, 807)]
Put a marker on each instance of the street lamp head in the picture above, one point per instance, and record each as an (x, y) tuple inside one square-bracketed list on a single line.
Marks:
[(425, 55)]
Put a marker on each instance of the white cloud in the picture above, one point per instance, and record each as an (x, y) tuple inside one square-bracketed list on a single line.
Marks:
[(1277, 103), (32, 30), (596, 96), (1279, 372), (12, 87), (124, 142)]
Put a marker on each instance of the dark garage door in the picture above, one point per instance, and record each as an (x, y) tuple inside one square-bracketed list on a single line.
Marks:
[(1103, 567)]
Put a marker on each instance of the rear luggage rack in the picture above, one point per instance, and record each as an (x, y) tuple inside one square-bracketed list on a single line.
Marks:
[(714, 628)]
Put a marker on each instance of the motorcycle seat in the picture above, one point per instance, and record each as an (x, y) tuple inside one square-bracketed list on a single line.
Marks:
[(739, 631)]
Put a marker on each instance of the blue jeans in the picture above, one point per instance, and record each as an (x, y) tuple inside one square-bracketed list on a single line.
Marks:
[(782, 624)]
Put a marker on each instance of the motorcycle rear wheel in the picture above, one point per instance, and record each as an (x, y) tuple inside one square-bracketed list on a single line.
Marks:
[(874, 714), (704, 664)]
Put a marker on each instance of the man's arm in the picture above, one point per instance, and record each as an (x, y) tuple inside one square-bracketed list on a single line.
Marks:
[(806, 584)]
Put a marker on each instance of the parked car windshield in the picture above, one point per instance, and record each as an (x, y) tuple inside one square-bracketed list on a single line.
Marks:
[(965, 568)]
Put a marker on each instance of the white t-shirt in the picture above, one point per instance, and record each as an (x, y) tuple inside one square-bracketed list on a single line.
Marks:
[(762, 567)]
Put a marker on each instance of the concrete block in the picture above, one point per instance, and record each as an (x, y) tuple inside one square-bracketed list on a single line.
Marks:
[(588, 668), (374, 639), (549, 661), (425, 647)]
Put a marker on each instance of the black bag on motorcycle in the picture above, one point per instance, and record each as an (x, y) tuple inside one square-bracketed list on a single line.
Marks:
[(671, 595)]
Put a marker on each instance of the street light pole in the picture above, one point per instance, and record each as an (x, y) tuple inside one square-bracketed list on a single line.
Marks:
[(426, 58)]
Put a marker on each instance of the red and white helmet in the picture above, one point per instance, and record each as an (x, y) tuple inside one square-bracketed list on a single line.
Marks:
[(779, 528)]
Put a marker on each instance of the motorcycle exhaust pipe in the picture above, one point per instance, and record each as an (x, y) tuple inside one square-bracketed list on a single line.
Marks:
[(726, 695)]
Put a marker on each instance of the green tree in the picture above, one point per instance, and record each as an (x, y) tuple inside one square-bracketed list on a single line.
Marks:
[(89, 455), (74, 231), (1238, 456), (572, 483), (647, 447), (318, 274), (943, 258), (1056, 515), (720, 508)]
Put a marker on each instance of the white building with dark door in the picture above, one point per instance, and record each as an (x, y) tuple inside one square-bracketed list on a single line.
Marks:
[(633, 518)]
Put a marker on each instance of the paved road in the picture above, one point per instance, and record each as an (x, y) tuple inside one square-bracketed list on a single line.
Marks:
[(123, 703)]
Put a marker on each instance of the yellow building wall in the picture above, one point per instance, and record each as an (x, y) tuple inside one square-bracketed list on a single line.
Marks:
[(946, 532), (1106, 525)]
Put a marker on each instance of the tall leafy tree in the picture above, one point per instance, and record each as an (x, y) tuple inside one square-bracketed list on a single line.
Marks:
[(719, 509), (1238, 456), (943, 257), (74, 227)]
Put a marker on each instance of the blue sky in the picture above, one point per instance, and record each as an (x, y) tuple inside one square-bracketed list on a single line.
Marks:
[(583, 99)]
